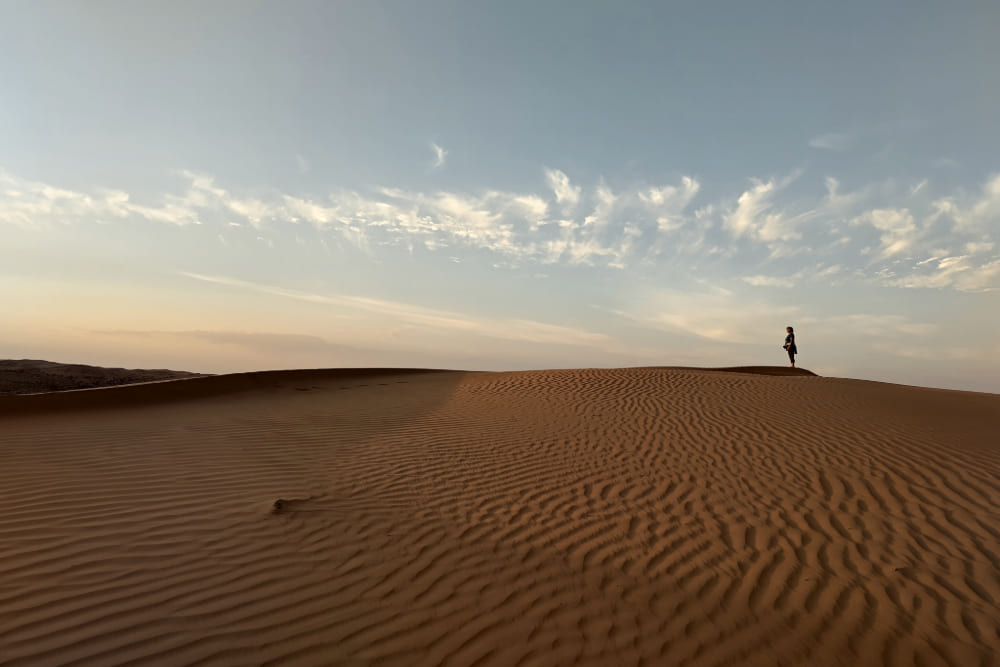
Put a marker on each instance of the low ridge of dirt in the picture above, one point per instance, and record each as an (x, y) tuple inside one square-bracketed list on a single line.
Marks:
[(34, 376)]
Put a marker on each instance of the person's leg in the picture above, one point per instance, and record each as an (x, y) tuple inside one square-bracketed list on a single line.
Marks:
[(791, 357)]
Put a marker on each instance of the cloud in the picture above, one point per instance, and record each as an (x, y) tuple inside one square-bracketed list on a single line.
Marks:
[(978, 247), (29, 203), (945, 163), (229, 350), (669, 203), (835, 202), (715, 315), (566, 194), (868, 325), (832, 141), (793, 280), (410, 314), (886, 130), (769, 281), (605, 201), (756, 217), (261, 341), (868, 231), (982, 213), (534, 208), (253, 210), (938, 353), (440, 155), (898, 229), (302, 164), (751, 204), (442, 219), (959, 272)]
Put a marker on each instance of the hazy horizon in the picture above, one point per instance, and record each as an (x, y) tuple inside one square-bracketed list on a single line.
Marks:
[(231, 186)]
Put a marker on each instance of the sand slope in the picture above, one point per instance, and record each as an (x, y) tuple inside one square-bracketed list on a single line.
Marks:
[(28, 376), (596, 517)]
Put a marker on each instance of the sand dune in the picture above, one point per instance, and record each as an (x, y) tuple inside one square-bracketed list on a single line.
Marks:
[(29, 376), (646, 516)]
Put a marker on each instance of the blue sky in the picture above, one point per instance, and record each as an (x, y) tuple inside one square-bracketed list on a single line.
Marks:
[(237, 185)]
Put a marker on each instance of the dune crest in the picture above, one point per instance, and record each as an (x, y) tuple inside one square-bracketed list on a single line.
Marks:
[(29, 376), (594, 517)]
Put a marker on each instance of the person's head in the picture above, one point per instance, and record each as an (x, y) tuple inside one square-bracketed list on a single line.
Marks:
[(789, 330)]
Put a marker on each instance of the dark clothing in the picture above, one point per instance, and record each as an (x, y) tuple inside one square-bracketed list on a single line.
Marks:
[(790, 346)]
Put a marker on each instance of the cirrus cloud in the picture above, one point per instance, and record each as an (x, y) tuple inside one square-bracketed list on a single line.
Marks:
[(875, 233)]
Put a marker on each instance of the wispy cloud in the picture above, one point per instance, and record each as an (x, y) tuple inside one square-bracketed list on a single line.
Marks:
[(979, 247), (713, 314), (770, 281), (670, 202), (937, 353), (869, 325), (440, 155), (858, 135), (756, 215), (962, 273), (869, 231), (794, 279), (256, 340), (604, 206), (28, 203), (945, 163), (832, 141), (407, 313), (899, 231), (566, 193), (978, 213)]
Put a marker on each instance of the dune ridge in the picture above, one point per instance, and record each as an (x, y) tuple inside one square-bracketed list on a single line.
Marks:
[(646, 516), (29, 376), (168, 390)]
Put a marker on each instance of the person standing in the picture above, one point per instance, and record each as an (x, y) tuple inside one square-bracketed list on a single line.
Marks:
[(790, 344)]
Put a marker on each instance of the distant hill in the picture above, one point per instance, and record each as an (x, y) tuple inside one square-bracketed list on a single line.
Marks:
[(32, 376)]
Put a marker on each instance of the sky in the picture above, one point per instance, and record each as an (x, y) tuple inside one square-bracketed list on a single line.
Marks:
[(226, 186)]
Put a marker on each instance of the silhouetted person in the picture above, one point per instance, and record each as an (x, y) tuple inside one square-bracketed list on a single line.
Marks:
[(790, 345)]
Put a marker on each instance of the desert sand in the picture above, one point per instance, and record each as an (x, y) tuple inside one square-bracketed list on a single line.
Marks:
[(645, 516)]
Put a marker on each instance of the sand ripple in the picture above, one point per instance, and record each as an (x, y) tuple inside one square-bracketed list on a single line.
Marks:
[(596, 517)]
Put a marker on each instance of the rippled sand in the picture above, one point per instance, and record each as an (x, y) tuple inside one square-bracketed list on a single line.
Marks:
[(649, 516)]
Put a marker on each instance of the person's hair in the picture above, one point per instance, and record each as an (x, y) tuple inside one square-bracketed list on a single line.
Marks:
[(790, 329)]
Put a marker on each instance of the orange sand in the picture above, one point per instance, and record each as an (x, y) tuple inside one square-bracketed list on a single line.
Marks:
[(596, 517)]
